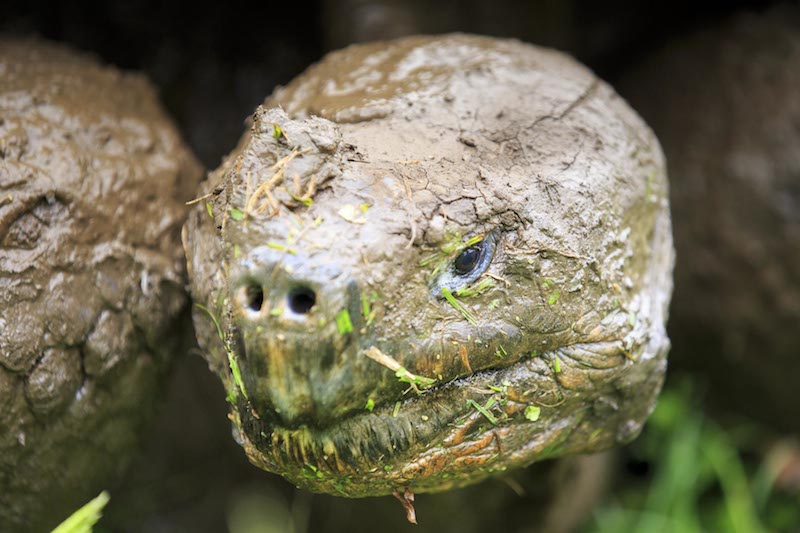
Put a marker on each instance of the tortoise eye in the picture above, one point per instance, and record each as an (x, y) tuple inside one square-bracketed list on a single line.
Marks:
[(467, 260), (471, 262), (468, 265)]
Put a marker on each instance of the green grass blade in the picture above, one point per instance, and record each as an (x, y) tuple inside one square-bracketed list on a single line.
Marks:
[(84, 519)]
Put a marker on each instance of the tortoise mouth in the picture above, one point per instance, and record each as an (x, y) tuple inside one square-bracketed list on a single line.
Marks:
[(447, 436), (297, 381)]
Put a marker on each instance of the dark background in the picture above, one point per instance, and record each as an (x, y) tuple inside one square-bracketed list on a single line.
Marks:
[(214, 62)]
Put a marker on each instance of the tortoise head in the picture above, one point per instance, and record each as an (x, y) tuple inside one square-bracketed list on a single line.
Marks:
[(434, 259)]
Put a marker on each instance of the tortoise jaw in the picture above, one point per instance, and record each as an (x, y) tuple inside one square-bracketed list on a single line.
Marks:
[(444, 437), (464, 430)]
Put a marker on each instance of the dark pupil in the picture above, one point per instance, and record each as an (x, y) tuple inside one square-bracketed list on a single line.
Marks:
[(466, 260)]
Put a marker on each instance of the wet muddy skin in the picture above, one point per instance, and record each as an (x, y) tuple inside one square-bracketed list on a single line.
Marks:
[(92, 177), (334, 238)]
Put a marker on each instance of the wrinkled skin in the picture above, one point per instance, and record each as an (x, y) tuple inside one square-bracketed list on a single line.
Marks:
[(404, 151), (725, 104), (92, 183)]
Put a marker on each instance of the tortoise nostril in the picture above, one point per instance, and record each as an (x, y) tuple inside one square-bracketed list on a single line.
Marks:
[(301, 300), (254, 297)]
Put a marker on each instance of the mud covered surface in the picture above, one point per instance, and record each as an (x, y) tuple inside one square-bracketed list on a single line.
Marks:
[(92, 175), (360, 358), (203, 482), (726, 107)]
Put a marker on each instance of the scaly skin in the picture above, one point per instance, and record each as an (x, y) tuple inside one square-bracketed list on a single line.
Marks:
[(93, 178), (384, 160)]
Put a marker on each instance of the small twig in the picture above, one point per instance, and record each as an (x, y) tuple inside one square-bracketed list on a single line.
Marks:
[(383, 359), (514, 485), (399, 370), (407, 501), (498, 278), (413, 235), (198, 200), (280, 168), (465, 358)]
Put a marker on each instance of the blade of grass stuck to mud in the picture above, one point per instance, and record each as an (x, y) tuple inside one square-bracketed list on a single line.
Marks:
[(308, 202), (532, 413), (425, 261), (447, 251), (475, 290), (343, 322), (84, 519), (236, 372), (281, 248), (418, 382), (460, 308), (365, 305), (232, 362), (473, 241), (482, 410), (213, 318)]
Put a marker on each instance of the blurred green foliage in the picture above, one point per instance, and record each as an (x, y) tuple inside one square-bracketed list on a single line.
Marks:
[(701, 476)]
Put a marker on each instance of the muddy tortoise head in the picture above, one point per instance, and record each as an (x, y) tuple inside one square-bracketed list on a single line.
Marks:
[(93, 178), (433, 259)]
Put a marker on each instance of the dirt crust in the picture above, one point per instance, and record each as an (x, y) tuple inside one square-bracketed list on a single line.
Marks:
[(726, 106), (357, 187), (93, 178)]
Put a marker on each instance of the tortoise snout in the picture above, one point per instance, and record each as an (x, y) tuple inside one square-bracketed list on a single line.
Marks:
[(283, 287), (296, 298), (299, 324)]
